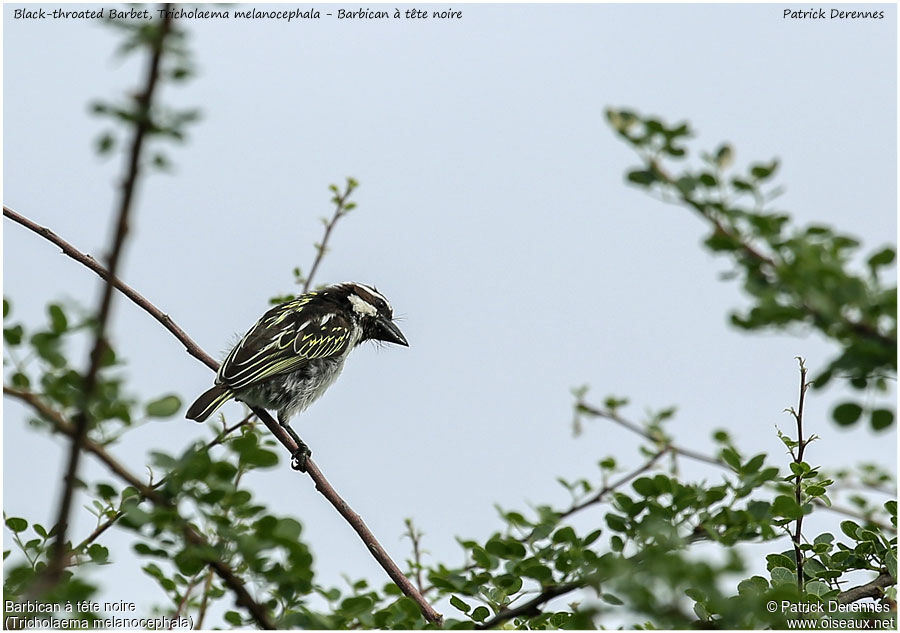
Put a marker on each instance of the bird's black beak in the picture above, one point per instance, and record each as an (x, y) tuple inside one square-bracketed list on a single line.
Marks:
[(385, 330)]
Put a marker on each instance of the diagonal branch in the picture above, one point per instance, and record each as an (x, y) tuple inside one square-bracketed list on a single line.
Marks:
[(709, 459), (86, 260), (100, 529), (624, 479), (322, 485), (860, 328), (62, 425), (143, 124), (874, 589), (530, 608)]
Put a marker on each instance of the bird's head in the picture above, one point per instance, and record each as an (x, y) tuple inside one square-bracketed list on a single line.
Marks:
[(372, 311)]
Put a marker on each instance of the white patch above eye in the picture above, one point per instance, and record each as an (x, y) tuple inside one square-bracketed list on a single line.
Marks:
[(361, 306), (374, 294)]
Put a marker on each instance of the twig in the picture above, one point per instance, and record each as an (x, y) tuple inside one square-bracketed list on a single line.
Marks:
[(636, 428), (597, 498), (231, 580), (415, 537), (190, 346), (874, 589), (276, 429), (859, 327), (709, 459), (798, 459), (531, 607), (201, 614), (143, 123), (340, 210), (118, 515), (184, 600)]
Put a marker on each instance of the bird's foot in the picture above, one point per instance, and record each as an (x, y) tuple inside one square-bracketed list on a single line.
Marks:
[(300, 458)]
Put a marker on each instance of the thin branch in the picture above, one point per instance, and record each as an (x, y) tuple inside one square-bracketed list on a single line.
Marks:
[(201, 615), (639, 430), (798, 481), (190, 346), (715, 461), (416, 537), (860, 328), (597, 498), (143, 124), (118, 515), (530, 608), (874, 589), (231, 580), (276, 429), (179, 609), (372, 544), (340, 210)]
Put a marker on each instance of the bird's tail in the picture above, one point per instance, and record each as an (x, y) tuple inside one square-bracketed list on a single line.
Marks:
[(208, 402)]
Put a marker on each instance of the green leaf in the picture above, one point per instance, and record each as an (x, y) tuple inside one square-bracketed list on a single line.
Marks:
[(754, 464), (188, 562), (565, 535), (786, 507), (13, 335), (233, 618), (759, 509), (611, 599), (98, 553), (590, 538), (58, 321), (755, 586), (783, 576), (731, 458), (645, 486), (817, 588), (779, 560), (616, 523), (761, 172), (883, 257), (5, 308), (850, 529), (164, 407), (847, 413), (882, 419), (480, 614), (105, 143), (356, 605), (260, 458), (16, 524), (642, 177), (459, 604)]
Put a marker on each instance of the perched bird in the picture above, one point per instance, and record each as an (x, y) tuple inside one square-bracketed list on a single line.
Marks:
[(296, 350)]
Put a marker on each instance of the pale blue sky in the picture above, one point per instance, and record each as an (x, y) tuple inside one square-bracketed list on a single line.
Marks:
[(492, 212)]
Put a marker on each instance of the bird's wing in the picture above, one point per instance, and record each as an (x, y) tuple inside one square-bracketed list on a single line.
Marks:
[(286, 337)]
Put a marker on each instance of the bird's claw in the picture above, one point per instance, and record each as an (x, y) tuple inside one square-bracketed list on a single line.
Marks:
[(300, 458)]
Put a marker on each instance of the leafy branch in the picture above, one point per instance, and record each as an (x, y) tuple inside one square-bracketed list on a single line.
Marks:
[(800, 470), (321, 483), (191, 535), (342, 206), (142, 128)]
